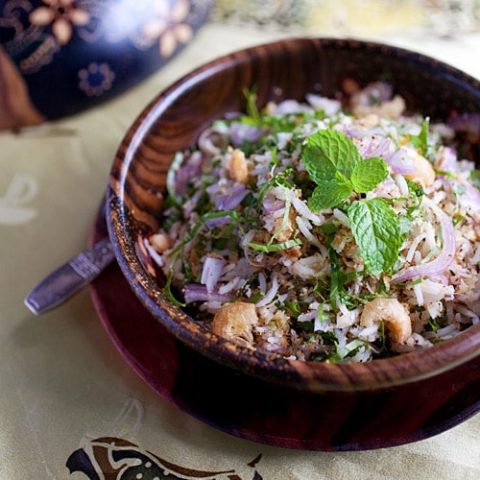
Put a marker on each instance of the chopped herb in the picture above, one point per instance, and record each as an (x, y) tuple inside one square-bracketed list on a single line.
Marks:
[(338, 280), (274, 161), (275, 247), (280, 179), (251, 106), (475, 178), (256, 297), (435, 324), (328, 337), (304, 326), (383, 337), (200, 222), (329, 228), (382, 289), (347, 350), (449, 175), (322, 316), (420, 141), (293, 308), (168, 291), (335, 284), (415, 189), (415, 198), (457, 218)]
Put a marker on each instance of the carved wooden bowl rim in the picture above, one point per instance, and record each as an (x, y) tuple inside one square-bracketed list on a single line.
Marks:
[(313, 376)]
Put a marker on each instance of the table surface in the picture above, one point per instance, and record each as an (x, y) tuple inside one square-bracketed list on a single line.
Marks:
[(63, 384)]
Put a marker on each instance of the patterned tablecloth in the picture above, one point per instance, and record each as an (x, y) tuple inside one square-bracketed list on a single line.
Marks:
[(63, 384)]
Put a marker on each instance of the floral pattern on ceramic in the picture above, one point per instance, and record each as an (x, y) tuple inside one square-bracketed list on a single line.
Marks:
[(62, 15), (73, 54), (96, 79), (169, 26)]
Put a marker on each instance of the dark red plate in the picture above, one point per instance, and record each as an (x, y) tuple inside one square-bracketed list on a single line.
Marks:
[(249, 408)]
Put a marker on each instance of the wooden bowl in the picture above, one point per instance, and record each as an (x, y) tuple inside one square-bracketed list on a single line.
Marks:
[(285, 69)]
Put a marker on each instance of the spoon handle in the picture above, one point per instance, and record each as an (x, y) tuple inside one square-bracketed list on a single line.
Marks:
[(71, 277)]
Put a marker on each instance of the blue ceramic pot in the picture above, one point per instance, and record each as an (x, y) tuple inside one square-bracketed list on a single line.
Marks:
[(58, 57)]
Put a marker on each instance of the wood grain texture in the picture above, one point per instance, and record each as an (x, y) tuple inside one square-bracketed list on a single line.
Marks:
[(285, 69), (247, 407)]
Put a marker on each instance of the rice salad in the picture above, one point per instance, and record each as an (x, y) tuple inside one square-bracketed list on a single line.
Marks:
[(324, 230)]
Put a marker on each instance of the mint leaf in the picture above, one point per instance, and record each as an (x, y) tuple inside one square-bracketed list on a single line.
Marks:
[(334, 163), (329, 194), (367, 174), (420, 141), (329, 151), (376, 229)]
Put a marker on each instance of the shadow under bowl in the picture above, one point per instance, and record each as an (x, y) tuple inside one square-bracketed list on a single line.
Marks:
[(285, 69)]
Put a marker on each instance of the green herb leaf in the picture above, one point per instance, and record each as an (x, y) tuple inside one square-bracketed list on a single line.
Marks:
[(251, 107), (350, 348), (346, 351), (336, 286), (327, 152), (293, 308), (275, 247), (367, 174), (280, 178), (457, 218), (199, 224), (435, 324), (168, 291), (329, 195), (256, 297), (415, 189), (420, 141), (335, 165), (328, 228), (376, 229), (449, 175)]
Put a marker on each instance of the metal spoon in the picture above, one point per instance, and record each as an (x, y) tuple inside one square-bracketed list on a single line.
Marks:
[(71, 277)]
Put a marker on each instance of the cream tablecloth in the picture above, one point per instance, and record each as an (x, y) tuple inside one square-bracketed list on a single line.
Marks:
[(62, 383)]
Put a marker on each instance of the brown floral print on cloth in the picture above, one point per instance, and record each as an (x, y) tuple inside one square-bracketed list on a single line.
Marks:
[(111, 458)]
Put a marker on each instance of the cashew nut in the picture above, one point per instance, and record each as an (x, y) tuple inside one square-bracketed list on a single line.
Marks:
[(393, 313), (238, 169), (235, 321), (390, 109), (160, 242), (425, 174)]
